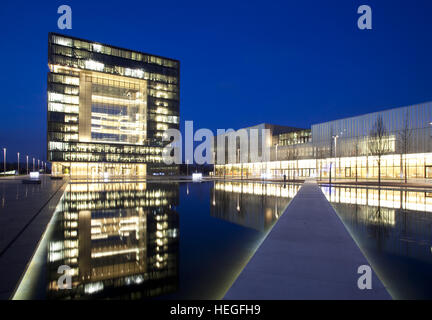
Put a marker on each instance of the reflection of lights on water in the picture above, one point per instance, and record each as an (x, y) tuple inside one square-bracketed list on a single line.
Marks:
[(126, 222), (268, 214), (266, 175), (326, 190), (91, 288), (134, 280), (387, 198), (258, 189)]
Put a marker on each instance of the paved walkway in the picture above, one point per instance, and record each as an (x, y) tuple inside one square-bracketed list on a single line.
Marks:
[(25, 211), (308, 254)]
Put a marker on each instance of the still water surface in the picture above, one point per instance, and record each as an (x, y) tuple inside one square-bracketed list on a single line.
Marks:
[(142, 240), (153, 240), (393, 228)]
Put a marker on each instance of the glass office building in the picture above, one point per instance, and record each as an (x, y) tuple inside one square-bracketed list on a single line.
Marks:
[(344, 149), (108, 108)]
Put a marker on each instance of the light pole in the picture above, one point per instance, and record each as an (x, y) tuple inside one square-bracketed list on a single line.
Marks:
[(38, 164), (27, 163), (277, 145), (335, 154), (33, 164), (214, 163), (18, 162), (238, 155), (335, 140), (4, 161)]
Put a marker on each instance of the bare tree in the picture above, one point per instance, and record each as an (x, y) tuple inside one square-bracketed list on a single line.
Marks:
[(379, 142), (404, 136), (356, 152), (319, 155), (293, 155), (331, 155)]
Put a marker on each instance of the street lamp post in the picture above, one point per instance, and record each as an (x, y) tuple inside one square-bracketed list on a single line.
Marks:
[(277, 145), (33, 164), (27, 163), (4, 161), (18, 162), (335, 154), (238, 155), (214, 164)]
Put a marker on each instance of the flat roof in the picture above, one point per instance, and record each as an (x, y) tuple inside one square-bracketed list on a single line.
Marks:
[(374, 112), (109, 45), (276, 128)]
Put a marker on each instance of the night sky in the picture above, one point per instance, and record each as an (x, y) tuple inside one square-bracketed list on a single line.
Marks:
[(242, 62)]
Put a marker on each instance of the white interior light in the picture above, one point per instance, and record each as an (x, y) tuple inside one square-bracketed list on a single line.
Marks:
[(34, 175), (94, 65), (196, 176)]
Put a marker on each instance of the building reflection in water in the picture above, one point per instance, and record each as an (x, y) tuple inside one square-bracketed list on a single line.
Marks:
[(250, 204), (119, 239), (392, 227)]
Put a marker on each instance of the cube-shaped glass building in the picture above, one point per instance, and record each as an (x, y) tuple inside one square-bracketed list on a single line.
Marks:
[(108, 108)]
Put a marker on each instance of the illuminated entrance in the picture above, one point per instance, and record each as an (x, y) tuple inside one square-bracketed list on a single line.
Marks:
[(96, 170)]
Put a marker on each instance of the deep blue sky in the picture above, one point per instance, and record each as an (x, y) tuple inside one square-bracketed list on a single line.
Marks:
[(242, 62)]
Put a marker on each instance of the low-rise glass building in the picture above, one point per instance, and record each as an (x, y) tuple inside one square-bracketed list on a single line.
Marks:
[(108, 108), (395, 144)]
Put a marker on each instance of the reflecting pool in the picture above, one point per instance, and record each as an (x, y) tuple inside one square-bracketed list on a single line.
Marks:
[(393, 228), (137, 240)]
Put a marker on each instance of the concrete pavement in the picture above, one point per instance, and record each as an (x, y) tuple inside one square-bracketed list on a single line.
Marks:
[(309, 254), (25, 211)]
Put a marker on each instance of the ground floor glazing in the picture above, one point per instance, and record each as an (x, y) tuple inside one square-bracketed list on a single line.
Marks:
[(393, 167), (98, 169)]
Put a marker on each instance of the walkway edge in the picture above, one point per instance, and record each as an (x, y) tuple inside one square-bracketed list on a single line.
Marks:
[(28, 238), (309, 254)]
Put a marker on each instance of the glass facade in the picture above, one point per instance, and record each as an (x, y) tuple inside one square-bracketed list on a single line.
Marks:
[(292, 138), (355, 131), (108, 108), (343, 147)]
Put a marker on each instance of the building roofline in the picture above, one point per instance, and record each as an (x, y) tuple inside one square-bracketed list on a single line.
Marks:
[(275, 126), (112, 46), (374, 112)]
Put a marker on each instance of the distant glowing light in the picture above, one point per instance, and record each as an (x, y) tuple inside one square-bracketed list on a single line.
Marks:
[(34, 175), (196, 176)]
